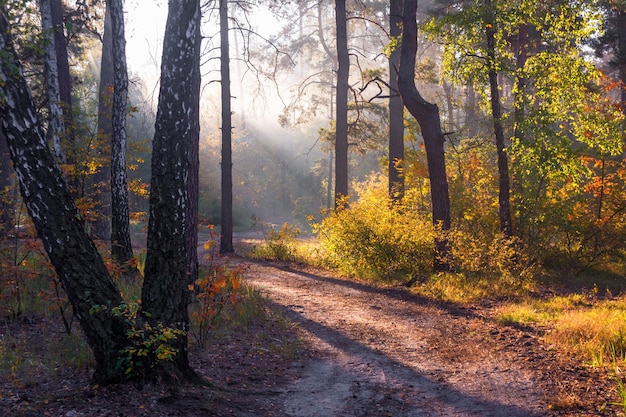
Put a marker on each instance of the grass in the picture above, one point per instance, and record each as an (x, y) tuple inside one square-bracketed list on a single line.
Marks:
[(41, 351), (586, 325)]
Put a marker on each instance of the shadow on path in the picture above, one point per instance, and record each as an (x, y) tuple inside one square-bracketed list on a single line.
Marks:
[(356, 379), (363, 378)]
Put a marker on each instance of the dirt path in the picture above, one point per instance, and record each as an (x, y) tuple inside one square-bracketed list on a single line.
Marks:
[(386, 352), (368, 351)]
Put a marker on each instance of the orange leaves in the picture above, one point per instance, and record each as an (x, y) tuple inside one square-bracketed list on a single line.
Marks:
[(209, 244), (217, 292)]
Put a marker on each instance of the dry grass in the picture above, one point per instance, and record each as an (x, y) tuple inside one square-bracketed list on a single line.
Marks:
[(584, 325)]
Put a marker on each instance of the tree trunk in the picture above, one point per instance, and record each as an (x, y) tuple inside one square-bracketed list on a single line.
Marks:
[(504, 203), (6, 173), (121, 248), (396, 108), (226, 238), (341, 118), (194, 182), (75, 258), (64, 79), (101, 225), (56, 122), (63, 71), (427, 115), (167, 247)]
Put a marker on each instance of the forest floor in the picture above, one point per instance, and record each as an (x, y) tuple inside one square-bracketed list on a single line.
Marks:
[(336, 347)]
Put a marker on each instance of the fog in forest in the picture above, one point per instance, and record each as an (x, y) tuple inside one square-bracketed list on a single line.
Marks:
[(280, 173)]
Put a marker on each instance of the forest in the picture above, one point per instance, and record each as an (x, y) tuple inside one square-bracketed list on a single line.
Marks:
[(156, 160)]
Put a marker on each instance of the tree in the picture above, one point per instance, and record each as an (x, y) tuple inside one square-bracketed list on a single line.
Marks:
[(96, 300), (226, 238), (56, 121), (165, 293), (57, 221), (6, 172), (504, 201), (396, 107), (121, 248), (101, 224), (341, 118), (427, 115)]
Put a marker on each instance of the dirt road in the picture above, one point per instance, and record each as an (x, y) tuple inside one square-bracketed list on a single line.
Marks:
[(386, 352), (367, 351)]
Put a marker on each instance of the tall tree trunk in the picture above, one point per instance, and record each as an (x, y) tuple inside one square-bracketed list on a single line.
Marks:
[(64, 81), (341, 118), (167, 247), (64, 76), (504, 203), (6, 173), (396, 108), (226, 238), (121, 248), (101, 225), (75, 258), (56, 122), (427, 115), (194, 181)]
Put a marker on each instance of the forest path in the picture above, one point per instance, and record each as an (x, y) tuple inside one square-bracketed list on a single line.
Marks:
[(386, 352)]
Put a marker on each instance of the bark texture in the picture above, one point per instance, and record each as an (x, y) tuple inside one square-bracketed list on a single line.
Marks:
[(56, 122), (226, 238), (427, 115), (168, 250), (75, 258), (341, 117), (121, 248)]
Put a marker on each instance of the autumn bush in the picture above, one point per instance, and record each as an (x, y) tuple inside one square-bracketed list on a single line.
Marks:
[(376, 238), (279, 243)]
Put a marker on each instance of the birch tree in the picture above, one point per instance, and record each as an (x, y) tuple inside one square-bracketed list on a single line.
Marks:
[(115, 332), (121, 247), (165, 293), (56, 122)]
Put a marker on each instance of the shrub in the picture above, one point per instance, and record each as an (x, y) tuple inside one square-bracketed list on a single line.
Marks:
[(279, 244), (492, 257), (377, 238)]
